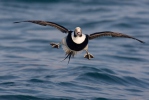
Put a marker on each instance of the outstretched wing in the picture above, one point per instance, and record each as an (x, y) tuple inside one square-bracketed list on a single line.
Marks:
[(113, 34), (46, 23)]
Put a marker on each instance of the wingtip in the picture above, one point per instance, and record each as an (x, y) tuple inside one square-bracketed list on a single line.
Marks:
[(16, 22), (143, 42), (20, 21)]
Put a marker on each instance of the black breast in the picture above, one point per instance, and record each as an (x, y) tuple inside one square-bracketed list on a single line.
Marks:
[(76, 47)]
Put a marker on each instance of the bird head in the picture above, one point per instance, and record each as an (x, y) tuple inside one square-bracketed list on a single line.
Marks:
[(78, 32)]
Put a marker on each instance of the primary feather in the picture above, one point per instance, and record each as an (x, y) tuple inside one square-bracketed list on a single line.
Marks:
[(113, 34), (46, 23)]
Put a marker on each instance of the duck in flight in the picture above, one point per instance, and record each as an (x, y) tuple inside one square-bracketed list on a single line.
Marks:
[(76, 41)]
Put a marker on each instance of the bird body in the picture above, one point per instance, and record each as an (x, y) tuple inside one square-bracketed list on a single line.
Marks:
[(76, 41), (71, 47)]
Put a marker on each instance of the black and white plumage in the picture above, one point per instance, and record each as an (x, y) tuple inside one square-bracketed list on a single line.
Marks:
[(76, 41)]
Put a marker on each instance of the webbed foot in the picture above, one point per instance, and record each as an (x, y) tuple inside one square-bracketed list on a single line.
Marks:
[(88, 56), (55, 45)]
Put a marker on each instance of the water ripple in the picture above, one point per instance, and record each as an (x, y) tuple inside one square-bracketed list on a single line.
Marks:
[(32, 70)]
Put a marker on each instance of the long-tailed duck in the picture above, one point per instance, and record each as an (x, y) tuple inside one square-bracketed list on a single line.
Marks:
[(76, 41)]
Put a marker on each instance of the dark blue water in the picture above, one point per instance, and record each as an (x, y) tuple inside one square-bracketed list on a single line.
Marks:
[(30, 69)]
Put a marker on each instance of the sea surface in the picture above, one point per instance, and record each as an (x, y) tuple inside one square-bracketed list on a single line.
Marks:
[(30, 69)]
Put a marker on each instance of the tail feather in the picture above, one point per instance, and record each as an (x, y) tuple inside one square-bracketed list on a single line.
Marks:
[(68, 55)]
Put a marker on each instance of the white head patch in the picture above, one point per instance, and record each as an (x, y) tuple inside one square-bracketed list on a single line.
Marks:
[(78, 31)]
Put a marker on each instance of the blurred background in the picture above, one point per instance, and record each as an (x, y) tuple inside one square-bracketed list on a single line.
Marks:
[(30, 69)]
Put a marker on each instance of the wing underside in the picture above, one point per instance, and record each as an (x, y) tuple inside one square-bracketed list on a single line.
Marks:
[(113, 34), (46, 23)]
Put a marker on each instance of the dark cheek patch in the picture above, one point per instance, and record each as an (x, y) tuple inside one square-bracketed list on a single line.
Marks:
[(80, 35)]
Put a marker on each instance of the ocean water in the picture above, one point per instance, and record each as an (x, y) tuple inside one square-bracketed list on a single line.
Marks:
[(30, 69)]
